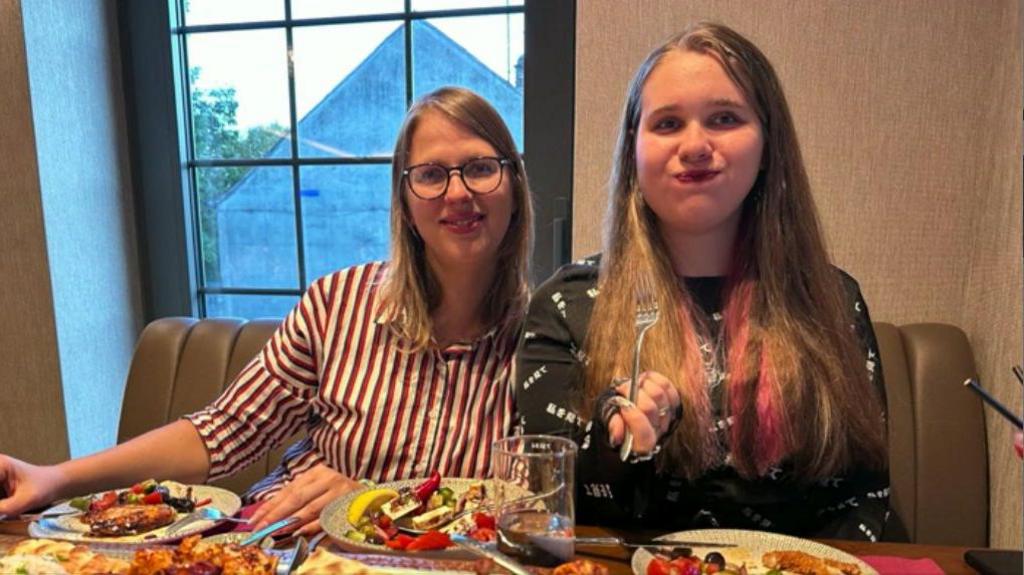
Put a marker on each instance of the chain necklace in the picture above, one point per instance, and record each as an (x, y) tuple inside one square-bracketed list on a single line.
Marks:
[(712, 351)]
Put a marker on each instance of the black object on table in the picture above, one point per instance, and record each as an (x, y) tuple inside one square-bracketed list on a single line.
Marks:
[(995, 561)]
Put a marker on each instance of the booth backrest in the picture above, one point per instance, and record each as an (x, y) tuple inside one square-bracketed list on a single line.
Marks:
[(938, 456), (180, 365), (938, 461)]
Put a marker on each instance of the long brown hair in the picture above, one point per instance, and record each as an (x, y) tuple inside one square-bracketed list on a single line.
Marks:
[(410, 290), (797, 388)]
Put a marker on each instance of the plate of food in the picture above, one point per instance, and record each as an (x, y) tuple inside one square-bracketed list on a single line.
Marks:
[(755, 553), (410, 515), (138, 514), (192, 555)]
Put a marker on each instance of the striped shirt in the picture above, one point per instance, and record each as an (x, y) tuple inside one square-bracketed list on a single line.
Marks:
[(371, 409)]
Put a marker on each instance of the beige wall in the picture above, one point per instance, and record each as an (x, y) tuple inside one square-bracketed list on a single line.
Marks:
[(28, 341), (908, 113)]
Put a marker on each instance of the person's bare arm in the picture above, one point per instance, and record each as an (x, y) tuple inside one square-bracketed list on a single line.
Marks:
[(173, 451)]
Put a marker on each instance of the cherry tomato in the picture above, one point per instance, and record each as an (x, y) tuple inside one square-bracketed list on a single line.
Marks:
[(659, 566), (484, 534), (106, 501), (154, 498), (686, 565), (484, 521), (429, 541), (400, 541)]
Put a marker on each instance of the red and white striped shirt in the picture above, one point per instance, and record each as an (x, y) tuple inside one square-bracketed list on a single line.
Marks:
[(371, 409)]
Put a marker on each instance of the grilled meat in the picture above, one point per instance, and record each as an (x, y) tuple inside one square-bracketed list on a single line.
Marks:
[(195, 557), (129, 519), (807, 564)]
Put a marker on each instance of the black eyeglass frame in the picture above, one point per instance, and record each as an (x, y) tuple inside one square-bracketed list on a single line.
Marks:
[(502, 164)]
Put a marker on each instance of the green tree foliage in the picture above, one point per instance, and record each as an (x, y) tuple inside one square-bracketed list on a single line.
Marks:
[(216, 135)]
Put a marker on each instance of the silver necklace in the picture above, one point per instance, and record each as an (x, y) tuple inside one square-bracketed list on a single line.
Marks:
[(712, 351)]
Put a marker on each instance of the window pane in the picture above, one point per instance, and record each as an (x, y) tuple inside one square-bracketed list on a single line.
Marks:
[(239, 84), (247, 227), (249, 306), (424, 5), (350, 88), (345, 216), (482, 53), (225, 11), (329, 8)]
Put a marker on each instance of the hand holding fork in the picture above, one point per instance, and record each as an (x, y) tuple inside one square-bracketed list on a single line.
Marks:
[(646, 317)]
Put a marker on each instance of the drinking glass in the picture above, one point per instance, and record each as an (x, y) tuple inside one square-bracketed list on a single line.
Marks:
[(534, 484)]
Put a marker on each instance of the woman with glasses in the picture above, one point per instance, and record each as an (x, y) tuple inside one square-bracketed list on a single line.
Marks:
[(394, 369), (759, 400)]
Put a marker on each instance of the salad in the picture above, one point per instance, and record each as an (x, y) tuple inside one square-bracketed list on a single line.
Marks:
[(420, 517), (149, 492)]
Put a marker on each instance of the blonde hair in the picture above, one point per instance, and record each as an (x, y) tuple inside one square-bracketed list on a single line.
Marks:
[(797, 387), (409, 289)]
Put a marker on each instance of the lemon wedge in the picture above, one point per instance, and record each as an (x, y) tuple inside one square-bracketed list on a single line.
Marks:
[(368, 502)]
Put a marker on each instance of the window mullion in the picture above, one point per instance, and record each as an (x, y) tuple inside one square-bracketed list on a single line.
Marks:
[(300, 244)]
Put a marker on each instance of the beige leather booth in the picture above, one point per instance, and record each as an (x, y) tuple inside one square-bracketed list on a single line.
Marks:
[(938, 456), (180, 365)]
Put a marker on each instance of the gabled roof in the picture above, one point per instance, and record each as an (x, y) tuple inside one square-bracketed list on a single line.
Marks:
[(362, 114)]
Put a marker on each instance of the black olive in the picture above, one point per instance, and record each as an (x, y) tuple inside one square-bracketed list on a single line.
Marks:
[(715, 558)]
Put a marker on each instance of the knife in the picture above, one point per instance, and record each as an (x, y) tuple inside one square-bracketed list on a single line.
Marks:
[(639, 542), (38, 516), (289, 560)]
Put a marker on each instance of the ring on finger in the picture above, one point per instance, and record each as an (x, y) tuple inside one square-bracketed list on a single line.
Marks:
[(663, 412), (621, 402)]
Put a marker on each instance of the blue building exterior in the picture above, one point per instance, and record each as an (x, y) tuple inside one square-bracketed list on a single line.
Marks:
[(344, 207)]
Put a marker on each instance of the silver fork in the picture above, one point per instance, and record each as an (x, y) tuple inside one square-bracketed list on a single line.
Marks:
[(646, 316), (202, 514)]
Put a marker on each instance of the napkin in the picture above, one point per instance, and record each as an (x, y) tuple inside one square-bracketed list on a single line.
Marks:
[(886, 565)]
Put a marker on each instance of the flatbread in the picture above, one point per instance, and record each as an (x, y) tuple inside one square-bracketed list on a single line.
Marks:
[(327, 563), (74, 559), (31, 565)]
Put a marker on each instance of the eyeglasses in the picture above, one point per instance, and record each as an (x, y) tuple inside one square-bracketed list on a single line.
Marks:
[(480, 176)]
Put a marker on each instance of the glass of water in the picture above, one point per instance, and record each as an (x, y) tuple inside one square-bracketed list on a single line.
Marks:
[(534, 485)]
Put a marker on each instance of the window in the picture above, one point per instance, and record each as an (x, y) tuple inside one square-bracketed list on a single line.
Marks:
[(283, 165)]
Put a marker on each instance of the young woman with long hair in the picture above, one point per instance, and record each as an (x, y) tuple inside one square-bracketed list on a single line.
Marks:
[(761, 403), (379, 362)]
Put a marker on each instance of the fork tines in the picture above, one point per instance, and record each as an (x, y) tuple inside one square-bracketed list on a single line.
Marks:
[(646, 295)]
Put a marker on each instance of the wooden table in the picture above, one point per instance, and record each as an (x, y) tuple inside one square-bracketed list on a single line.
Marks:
[(949, 558)]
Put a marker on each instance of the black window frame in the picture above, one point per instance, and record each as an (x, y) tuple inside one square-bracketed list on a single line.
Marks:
[(153, 66)]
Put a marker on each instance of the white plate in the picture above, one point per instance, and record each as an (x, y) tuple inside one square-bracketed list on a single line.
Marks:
[(71, 528), (334, 517), (750, 546)]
